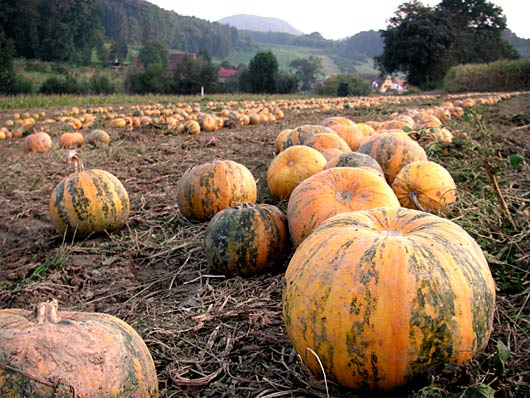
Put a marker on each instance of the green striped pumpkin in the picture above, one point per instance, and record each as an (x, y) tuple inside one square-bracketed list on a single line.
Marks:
[(380, 295), (49, 354), (89, 201), (245, 239)]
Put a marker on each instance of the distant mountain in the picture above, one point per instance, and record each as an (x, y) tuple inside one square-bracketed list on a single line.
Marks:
[(260, 24), (521, 45)]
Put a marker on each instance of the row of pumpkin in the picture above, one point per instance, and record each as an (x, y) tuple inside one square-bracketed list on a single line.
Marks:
[(375, 293)]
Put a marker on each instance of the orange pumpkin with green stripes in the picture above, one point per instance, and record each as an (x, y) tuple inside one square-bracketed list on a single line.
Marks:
[(246, 239), (88, 201), (426, 186), (292, 166), (334, 191), (380, 295), (211, 187), (392, 151), (354, 159), (49, 353)]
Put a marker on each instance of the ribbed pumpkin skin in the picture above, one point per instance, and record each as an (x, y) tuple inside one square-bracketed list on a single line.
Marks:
[(392, 152), (89, 201), (290, 167), (381, 294), (301, 135), (323, 141), (430, 182), (97, 354), (211, 187), (354, 159), (335, 191), (349, 133), (245, 239)]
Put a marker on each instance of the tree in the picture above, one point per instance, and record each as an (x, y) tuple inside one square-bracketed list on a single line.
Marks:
[(263, 72), (480, 25), (193, 73), (416, 42), (153, 52), (8, 79), (424, 42), (344, 85), (307, 71)]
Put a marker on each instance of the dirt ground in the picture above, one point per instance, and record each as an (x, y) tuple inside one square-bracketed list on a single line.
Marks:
[(216, 337)]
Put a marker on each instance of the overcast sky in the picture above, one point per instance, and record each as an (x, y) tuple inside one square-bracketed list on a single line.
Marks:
[(330, 17)]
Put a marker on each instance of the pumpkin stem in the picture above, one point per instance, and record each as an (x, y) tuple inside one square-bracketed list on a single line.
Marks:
[(47, 312), (73, 157), (413, 196)]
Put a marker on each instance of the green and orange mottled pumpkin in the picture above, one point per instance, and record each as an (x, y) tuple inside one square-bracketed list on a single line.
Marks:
[(354, 159), (392, 151), (245, 239), (333, 191), (49, 354), (380, 295), (88, 201), (211, 187), (292, 166), (426, 186)]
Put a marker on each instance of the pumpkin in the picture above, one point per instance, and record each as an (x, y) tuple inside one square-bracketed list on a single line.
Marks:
[(392, 151), (280, 139), (301, 135), (49, 353), (337, 120), (334, 191), (292, 166), (211, 187), (98, 138), (354, 159), (39, 142), (191, 127), (351, 134), (426, 186), (118, 122), (323, 141), (71, 140), (207, 122), (380, 295), (88, 201), (245, 239)]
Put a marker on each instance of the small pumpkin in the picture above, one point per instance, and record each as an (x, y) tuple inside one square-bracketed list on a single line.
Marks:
[(49, 353), (245, 239), (211, 187), (334, 191), (380, 295), (39, 142), (392, 151), (88, 201), (191, 127), (426, 186), (292, 166), (71, 140)]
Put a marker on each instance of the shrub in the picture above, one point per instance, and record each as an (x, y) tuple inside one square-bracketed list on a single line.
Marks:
[(68, 84), (101, 84), (496, 76), (344, 85)]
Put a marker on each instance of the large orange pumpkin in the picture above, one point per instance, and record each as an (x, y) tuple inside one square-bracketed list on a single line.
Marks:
[(425, 185), (211, 187), (245, 239), (334, 191), (392, 152), (48, 354), (292, 166), (379, 295), (88, 201)]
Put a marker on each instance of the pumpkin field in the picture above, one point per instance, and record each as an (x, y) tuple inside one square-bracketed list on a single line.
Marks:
[(228, 331)]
